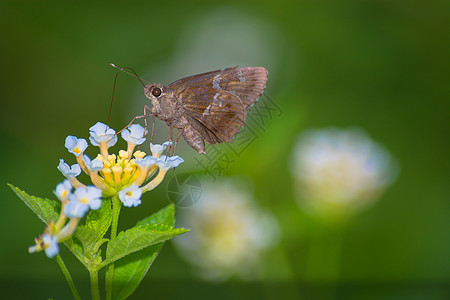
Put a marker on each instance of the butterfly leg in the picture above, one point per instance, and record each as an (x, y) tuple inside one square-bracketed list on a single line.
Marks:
[(153, 128), (176, 141), (147, 109), (131, 123), (170, 141), (194, 139)]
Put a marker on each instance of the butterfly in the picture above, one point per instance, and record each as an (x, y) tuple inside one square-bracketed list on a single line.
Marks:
[(207, 107)]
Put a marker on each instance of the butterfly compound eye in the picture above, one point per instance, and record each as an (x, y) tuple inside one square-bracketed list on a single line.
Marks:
[(156, 92)]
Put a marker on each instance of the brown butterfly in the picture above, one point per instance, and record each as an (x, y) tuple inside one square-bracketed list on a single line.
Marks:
[(209, 106)]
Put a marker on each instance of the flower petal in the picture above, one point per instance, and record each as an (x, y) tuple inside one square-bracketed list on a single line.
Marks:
[(75, 145), (146, 162), (69, 171), (63, 190), (134, 134), (50, 245), (131, 196), (75, 209), (100, 133), (94, 165), (165, 162), (157, 149), (89, 195)]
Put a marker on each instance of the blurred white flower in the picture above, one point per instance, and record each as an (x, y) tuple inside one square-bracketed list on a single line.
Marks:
[(340, 171), (229, 233)]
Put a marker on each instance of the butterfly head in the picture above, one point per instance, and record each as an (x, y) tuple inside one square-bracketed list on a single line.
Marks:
[(154, 91)]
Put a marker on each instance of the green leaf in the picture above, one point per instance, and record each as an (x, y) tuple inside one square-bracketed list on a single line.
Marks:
[(86, 236), (95, 227), (131, 269), (45, 209), (164, 216), (139, 237)]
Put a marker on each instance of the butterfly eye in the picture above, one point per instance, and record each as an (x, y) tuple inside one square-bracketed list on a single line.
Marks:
[(156, 92)]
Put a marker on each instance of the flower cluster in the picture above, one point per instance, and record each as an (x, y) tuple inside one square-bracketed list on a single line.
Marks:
[(230, 232), (339, 172), (127, 175)]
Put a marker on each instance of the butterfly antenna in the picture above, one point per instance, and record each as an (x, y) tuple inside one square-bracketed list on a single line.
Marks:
[(112, 98), (134, 74)]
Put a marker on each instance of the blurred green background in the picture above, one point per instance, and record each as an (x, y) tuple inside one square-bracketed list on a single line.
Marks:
[(379, 65)]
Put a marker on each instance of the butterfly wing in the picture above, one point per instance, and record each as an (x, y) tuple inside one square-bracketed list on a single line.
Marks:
[(215, 114), (215, 103), (197, 80), (247, 83)]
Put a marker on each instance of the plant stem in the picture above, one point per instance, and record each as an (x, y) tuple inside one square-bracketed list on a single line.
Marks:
[(324, 259), (94, 285), (66, 273), (117, 205)]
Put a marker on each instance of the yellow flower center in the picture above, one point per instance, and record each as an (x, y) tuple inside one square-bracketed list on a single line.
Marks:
[(139, 154), (123, 154), (76, 150), (123, 170)]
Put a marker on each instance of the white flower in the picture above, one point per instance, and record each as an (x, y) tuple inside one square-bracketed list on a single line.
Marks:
[(131, 196), (50, 245), (165, 162), (101, 133), (112, 175), (340, 171), (69, 171), (158, 149), (229, 233), (89, 195), (83, 199), (94, 165), (75, 145), (75, 209), (146, 162), (134, 134), (47, 242), (63, 190)]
